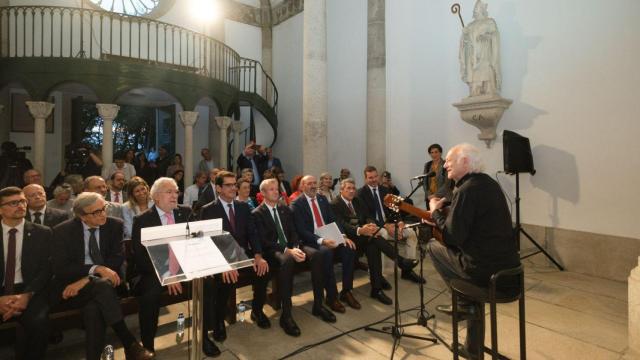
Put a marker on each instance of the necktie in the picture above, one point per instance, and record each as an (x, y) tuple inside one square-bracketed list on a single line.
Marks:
[(117, 197), (316, 213), (10, 272), (94, 250), (37, 217), (353, 212), (232, 218), (169, 217), (174, 266), (376, 199), (282, 240)]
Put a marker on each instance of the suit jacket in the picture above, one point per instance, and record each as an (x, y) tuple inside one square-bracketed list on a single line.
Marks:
[(36, 266), (349, 221), (52, 217), (122, 193), (368, 204), (303, 218), (68, 249), (114, 210), (274, 163), (244, 163), (287, 187), (151, 218), (208, 195), (245, 230), (266, 228)]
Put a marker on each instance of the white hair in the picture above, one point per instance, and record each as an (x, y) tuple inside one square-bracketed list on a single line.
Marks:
[(159, 183), (344, 182), (472, 154), (266, 182)]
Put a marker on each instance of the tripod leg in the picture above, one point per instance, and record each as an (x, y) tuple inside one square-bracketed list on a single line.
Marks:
[(541, 249)]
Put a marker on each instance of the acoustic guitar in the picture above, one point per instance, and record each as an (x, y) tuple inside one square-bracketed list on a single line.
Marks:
[(397, 204)]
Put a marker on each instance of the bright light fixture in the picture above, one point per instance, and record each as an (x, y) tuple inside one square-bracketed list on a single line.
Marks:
[(205, 10)]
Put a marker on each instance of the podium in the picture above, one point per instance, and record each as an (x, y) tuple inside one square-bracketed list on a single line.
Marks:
[(190, 252)]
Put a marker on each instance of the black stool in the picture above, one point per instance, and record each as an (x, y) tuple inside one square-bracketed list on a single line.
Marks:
[(472, 292)]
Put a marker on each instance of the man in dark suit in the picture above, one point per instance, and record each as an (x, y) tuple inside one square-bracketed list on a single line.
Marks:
[(116, 193), (252, 159), (311, 211), (97, 185), (208, 193), (371, 196), (148, 289), (37, 210), (237, 220), (87, 256), (280, 247), (24, 272), (271, 161)]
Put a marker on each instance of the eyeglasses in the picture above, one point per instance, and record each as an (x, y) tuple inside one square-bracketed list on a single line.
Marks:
[(15, 203), (98, 212), (231, 184)]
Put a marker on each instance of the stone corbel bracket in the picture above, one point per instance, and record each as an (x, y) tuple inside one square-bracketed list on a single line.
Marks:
[(483, 112)]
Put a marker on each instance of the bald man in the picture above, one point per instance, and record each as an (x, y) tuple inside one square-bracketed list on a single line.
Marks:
[(37, 210)]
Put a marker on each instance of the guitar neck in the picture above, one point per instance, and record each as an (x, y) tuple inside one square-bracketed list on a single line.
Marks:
[(421, 213)]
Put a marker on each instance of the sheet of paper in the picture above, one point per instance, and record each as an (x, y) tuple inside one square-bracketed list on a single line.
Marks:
[(199, 257), (330, 231)]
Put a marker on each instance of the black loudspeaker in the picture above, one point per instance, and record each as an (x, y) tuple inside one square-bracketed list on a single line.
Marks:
[(517, 153)]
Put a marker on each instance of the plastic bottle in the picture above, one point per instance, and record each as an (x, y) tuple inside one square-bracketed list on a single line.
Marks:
[(180, 328), (107, 353), (241, 309)]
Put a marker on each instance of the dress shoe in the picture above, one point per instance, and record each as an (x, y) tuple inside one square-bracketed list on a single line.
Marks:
[(135, 351), (412, 276), (407, 264), (385, 284), (261, 319), (209, 348), (220, 332), (347, 296), (381, 296), (324, 314), (289, 326), (465, 311), (336, 306)]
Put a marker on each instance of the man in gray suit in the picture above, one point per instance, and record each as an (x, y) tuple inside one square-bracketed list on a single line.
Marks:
[(96, 184), (37, 210)]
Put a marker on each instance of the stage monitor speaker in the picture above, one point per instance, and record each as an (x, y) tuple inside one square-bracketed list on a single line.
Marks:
[(516, 153)]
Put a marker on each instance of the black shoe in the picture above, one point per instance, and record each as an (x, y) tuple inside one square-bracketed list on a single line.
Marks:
[(407, 264), (412, 276), (220, 332), (465, 312), (324, 313), (289, 326), (385, 284), (136, 351), (260, 319), (209, 348), (381, 296)]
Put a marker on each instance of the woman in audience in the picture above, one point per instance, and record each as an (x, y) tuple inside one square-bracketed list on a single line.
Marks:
[(178, 176), (284, 199), (145, 169), (175, 165), (326, 181), (139, 200), (62, 198), (295, 182), (387, 183), (244, 188), (436, 168)]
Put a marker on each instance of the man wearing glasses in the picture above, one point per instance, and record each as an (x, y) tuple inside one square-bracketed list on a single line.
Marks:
[(24, 273), (87, 256)]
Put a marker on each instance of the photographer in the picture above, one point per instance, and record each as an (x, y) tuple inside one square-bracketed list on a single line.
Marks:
[(13, 164)]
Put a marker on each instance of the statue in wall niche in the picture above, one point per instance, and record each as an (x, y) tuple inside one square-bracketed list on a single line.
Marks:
[(480, 53)]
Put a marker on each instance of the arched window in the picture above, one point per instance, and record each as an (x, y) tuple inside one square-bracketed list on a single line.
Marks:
[(129, 7)]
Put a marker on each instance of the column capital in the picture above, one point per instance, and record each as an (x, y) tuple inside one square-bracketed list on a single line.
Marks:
[(40, 109), (237, 126), (188, 118), (108, 111), (223, 122)]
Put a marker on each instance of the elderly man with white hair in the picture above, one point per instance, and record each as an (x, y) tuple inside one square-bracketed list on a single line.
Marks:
[(477, 234)]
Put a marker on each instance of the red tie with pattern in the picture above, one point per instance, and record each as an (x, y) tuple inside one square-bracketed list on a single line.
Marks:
[(316, 213), (117, 197)]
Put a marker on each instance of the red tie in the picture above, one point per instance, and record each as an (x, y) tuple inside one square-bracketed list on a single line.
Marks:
[(117, 197), (316, 213), (10, 272)]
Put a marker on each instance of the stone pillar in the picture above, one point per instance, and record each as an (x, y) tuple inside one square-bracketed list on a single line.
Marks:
[(237, 127), (376, 85), (188, 119), (314, 88), (40, 110), (107, 112), (223, 123), (267, 43), (634, 314)]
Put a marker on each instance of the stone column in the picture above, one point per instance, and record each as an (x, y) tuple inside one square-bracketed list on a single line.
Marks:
[(223, 123), (314, 88), (376, 85), (237, 127), (188, 119), (107, 112), (40, 110), (267, 42), (634, 314)]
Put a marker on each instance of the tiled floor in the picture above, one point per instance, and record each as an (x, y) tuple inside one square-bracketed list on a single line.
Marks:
[(569, 316)]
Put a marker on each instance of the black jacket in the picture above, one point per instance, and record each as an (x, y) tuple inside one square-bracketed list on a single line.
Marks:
[(245, 230), (266, 228), (304, 221), (52, 217)]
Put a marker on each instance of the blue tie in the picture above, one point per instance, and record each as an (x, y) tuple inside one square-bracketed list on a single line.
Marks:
[(379, 216)]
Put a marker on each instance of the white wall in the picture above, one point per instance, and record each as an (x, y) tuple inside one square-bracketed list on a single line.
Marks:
[(245, 39), (571, 69)]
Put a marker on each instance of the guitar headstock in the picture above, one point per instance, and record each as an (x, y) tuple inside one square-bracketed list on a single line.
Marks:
[(393, 202)]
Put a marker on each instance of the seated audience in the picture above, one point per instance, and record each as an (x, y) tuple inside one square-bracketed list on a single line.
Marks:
[(176, 165), (244, 190), (324, 188), (116, 192), (295, 185), (97, 185), (120, 164), (387, 183), (193, 191), (139, 201), (62, 198), (37, 210), (207, 163)]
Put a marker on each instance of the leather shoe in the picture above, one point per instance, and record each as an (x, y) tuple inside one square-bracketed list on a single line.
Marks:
[(385, 284), (412, 276), (289, 326), (407, 264), (381, 296), (465, 312), (336, 306), (324, 314), (261, 319), (347, 296), (136, 351), (220, 332), (209, 348)]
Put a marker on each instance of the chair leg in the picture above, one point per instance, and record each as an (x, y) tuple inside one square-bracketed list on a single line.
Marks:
[(494, 332), (523, 337), (454, 317)]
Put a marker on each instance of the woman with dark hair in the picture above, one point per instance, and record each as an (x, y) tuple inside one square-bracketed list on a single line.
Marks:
[(178, 176), (175, 165), (145, 169), (435, 168)]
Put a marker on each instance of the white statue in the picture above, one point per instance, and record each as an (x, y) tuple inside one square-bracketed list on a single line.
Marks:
[(480, 53)]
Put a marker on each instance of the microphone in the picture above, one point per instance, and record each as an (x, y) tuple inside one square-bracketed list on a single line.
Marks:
[(420, 177)]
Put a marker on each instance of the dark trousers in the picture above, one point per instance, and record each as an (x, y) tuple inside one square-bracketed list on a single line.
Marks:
[(101, 308), (35, 321), (148, 292), (316, 258), (283, 265), (347, 257), (447, 262), (372, 249)]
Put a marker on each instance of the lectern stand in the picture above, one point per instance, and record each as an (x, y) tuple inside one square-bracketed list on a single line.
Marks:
[(191, 252)]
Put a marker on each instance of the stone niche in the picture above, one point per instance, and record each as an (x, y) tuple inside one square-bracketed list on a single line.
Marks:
[(483, 112)]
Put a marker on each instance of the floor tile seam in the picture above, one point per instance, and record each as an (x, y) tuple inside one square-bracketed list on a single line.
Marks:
[(625, 319)]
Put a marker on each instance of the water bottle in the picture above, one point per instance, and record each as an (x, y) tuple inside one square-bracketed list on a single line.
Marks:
[(107, 353), (241, 309), (180, 328)]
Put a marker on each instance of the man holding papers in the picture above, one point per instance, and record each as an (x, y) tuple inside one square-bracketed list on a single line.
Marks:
[(312, 212)]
